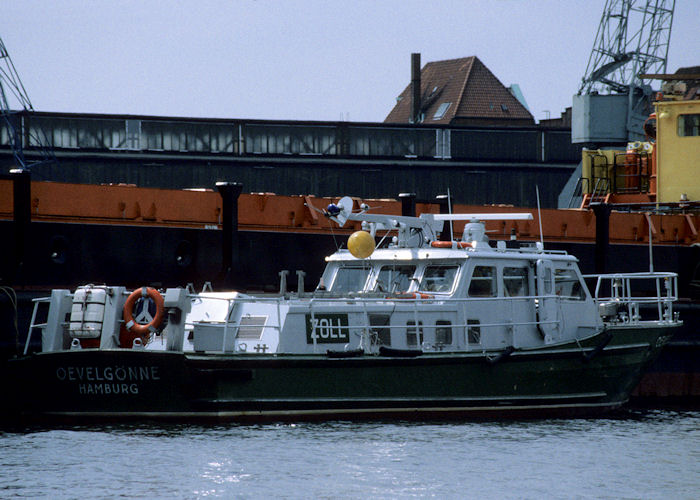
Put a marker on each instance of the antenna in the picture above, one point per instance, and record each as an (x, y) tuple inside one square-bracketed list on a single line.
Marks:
[(539, 214), (651, 253), (449, 211)]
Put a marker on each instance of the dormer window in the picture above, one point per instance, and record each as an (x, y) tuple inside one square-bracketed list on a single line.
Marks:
[(442, 109)]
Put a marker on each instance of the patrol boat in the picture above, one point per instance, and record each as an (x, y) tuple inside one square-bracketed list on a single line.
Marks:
[(411, 327)]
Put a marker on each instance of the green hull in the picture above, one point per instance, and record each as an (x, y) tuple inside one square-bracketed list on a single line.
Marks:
[(583, 378)]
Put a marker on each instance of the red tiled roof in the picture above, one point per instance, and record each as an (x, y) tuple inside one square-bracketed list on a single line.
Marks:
[(470, 88)]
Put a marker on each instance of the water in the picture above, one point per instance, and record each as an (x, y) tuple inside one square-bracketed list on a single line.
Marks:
[(654, 454)]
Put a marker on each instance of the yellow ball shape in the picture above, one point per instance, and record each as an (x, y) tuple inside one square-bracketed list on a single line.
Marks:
[(361, 244)]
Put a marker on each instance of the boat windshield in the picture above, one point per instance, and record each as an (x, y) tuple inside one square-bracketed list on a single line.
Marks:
[(568, 285), (394, 279), (350, 279), (438, 278)]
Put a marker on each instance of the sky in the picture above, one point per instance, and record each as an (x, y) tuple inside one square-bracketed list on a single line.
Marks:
[(297, 60)]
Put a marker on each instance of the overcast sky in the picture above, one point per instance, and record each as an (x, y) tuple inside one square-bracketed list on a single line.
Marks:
[(297, 60)]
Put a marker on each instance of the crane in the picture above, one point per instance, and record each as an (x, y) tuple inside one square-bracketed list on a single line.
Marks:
[(613, 100), (12, 120)]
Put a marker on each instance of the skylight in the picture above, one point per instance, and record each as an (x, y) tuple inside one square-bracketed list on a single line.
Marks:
[(442, 109)]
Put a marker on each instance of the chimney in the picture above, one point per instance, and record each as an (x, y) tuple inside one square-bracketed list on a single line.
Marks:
[(415, 88)]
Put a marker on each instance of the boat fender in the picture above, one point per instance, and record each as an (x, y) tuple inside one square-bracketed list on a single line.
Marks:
[(352, 353), (588, 356), (399, 353), (151, 327), (501, 356)]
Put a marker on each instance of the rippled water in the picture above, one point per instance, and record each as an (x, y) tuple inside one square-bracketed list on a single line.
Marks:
[(653, 454)]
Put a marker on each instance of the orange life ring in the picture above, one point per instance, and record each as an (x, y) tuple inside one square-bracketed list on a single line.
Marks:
[(411, 295), (143, 330), (448, 244)]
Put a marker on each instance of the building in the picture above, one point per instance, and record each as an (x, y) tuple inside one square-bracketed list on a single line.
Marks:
[(458, 92)]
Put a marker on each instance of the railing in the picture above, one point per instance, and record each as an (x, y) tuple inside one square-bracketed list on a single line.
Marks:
[(619, 296), (32, 323), (631, 173), (507, 311)]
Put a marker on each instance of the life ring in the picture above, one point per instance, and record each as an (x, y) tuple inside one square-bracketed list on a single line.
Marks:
[(143, 330), (448, 244), (411, 295)]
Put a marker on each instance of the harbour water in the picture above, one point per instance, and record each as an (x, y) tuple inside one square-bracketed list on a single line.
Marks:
[(635, 454)]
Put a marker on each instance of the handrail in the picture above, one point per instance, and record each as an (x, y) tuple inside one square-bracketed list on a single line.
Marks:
[(622, 296), (33, 325), (366, 326)]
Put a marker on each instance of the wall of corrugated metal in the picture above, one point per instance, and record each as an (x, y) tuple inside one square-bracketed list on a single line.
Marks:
[(477, 164)]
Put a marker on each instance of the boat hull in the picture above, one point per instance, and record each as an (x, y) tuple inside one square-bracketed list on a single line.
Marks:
[(588, 378)]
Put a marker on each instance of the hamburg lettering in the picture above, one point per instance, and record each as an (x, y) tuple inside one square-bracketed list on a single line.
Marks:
[(108, 380)]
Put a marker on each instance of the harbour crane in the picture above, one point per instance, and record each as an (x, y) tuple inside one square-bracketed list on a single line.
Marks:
[(614, 100), (14, 127)]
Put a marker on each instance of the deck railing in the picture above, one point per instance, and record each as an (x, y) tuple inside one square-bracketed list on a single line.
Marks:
[(462, 307), (619, 296)]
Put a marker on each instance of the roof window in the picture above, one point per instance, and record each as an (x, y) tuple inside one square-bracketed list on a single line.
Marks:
[(442, 109)]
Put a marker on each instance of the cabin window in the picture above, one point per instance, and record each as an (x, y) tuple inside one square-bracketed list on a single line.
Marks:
[(394, 279), (567, 285), (350, 279), (414, 336), (483, 283), (473, 331), (443, 332), (515, 282), (689, 125), (438, 278), (379, 326)]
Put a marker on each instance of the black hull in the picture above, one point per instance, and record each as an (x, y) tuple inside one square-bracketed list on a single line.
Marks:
[(56, 258), (126, 384)]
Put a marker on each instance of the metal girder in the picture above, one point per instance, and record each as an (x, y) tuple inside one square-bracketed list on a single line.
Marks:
[(632, 39), (19, 132)]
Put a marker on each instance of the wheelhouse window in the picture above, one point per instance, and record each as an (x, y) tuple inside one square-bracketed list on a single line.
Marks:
[(394, 279), (483, 282), (379, 327), (443, 332), (515, 282), (567, 285), (473, 331), (414, 336), (350, 279), (438, 278), (689, 125)]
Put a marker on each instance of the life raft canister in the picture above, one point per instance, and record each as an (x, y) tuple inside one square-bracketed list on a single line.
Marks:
[(138, 329)]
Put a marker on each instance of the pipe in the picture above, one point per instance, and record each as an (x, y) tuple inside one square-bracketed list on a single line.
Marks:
[(415, 88), (229, 191), (445, 203), (22, 216), (408, 204), (602, 235)]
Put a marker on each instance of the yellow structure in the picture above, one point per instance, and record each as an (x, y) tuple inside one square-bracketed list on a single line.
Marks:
[(678, 150), (664, 171)]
